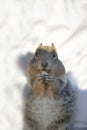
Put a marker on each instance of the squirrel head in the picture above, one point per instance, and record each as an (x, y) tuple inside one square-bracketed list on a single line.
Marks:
[(46, 59), (47, 48)]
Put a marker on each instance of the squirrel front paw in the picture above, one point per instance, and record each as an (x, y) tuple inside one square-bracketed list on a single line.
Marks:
[(49, 78), (45, 77)]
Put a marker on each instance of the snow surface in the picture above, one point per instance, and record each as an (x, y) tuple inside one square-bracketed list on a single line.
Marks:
[(23, 25)]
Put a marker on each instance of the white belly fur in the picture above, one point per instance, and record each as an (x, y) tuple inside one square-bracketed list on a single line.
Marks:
[(46, 110)]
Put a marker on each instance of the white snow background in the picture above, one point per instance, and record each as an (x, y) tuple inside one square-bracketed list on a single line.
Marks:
[(23, 25)]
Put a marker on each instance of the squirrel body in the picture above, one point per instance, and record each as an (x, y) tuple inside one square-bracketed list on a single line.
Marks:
[(49, 101)]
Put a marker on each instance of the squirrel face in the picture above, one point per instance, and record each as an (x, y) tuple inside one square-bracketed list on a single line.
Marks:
[(46, 59)]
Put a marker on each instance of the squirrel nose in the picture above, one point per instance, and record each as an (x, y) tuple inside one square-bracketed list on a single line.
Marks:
[(44, 64)]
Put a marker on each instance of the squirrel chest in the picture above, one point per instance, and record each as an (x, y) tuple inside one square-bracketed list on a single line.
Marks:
[(46, 110)]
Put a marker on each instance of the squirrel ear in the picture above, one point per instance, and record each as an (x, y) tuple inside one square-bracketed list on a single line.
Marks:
[(40, 44), (52, 44)]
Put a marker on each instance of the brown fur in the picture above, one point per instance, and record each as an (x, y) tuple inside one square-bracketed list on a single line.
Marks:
[(47, 48)]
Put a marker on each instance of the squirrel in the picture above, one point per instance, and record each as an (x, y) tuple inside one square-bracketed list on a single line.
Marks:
[(49, 101)]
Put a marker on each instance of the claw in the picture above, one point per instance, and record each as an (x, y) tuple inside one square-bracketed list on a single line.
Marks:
[(41, 78), (49, 78), (45, 78)]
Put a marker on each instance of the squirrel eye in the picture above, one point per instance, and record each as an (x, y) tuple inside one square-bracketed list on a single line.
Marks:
[(54, 56), (36, 55)]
